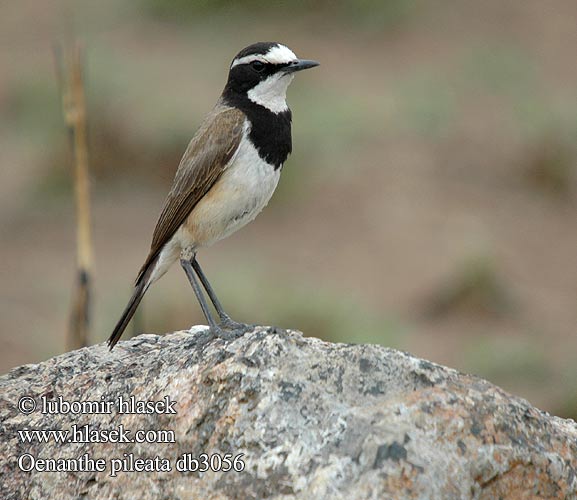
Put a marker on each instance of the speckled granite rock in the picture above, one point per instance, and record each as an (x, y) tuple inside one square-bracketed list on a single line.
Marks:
[(313, 420)]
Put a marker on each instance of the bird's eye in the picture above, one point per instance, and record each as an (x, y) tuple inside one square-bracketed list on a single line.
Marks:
[(257, 66)]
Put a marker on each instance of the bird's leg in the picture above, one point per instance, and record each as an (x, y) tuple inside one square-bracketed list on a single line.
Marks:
[(225, 319), (187, 266), (215, 330)]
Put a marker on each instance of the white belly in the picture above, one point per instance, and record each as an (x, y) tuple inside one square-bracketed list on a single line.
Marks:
[(242, 191)]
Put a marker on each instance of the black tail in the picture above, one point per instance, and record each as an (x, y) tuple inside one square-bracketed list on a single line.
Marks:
[(142, 284)]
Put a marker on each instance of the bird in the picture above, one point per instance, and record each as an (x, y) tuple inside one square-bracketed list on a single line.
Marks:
[(227, 175)]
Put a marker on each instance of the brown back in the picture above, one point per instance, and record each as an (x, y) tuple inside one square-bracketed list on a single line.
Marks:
[(203, 162)]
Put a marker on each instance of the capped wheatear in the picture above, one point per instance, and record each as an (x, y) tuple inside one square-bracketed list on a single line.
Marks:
[(227, 175)]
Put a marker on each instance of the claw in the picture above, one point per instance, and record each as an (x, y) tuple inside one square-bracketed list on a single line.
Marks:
[(224, 334), (230, 324)]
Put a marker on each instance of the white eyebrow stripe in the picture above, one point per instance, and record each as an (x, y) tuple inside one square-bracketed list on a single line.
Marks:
[(248, 59), (279, 54)]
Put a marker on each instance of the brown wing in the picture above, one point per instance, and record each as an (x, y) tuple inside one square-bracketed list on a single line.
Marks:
[(203, 162)]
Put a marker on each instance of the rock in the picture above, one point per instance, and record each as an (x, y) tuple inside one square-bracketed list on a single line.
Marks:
[(303, 418)]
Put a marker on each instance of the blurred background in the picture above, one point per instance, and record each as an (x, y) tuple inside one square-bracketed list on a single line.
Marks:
[(430, 203)]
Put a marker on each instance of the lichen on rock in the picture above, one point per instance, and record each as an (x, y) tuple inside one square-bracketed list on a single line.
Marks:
[(308, 419)]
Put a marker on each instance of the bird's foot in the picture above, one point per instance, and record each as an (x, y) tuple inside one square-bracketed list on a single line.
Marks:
[(227, 329), (233, 327), (224, 333)]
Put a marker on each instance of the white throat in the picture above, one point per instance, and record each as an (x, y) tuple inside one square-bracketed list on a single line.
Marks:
[(271, 93)]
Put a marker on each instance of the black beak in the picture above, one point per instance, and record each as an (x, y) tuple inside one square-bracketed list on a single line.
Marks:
[(299, 65)]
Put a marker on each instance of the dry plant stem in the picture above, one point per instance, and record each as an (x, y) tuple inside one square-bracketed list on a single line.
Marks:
[(74, 110)]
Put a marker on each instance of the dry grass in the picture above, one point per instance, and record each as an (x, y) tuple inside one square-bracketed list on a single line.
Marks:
[(70, 74)]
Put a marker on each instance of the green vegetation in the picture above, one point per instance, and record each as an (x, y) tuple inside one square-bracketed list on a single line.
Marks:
[(476, 288), (312, 308), (514, 361)]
